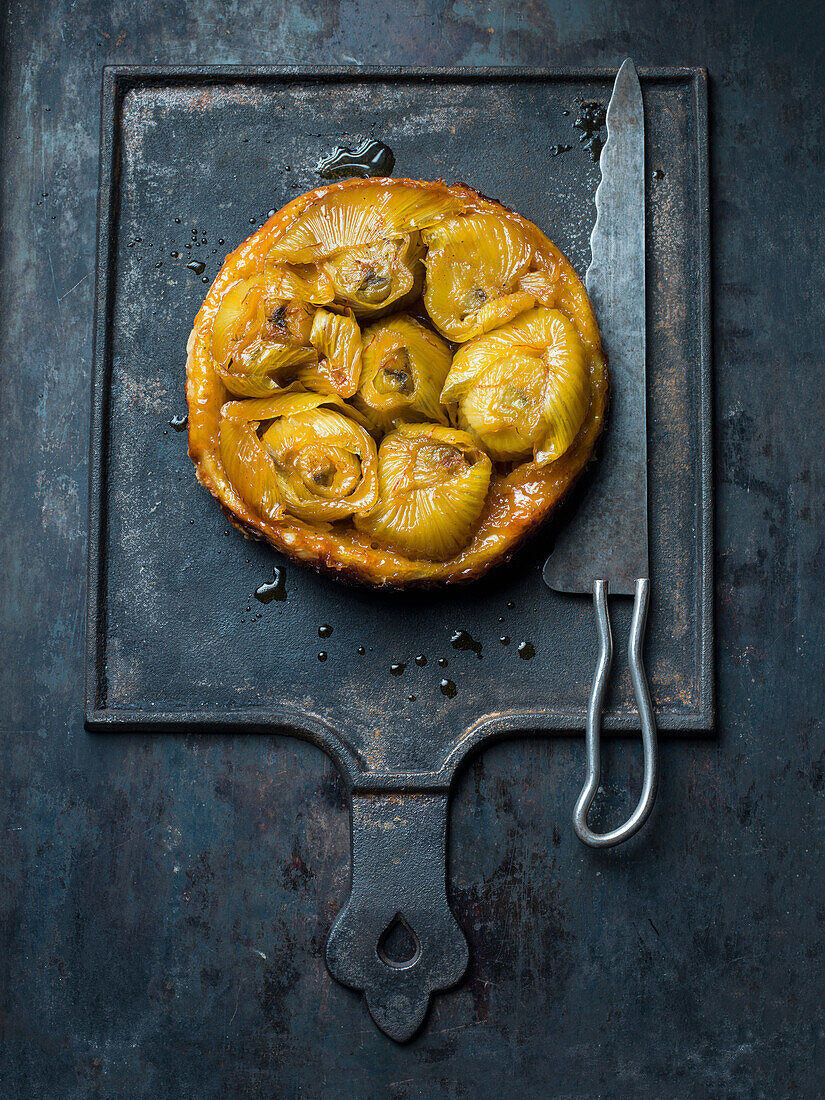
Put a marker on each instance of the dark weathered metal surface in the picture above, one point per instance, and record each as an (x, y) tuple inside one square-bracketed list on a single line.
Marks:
[(151, 666), (399, 844), (164, 900), (606, 538), (211, 657)]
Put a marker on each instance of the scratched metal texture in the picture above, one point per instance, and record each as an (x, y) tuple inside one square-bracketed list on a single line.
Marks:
[(175, 636), (164, 900)]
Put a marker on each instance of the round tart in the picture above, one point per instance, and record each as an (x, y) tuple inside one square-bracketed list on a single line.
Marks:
[(395, 381)]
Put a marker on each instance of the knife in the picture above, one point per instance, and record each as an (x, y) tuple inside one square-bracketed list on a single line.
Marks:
[(604, 548)]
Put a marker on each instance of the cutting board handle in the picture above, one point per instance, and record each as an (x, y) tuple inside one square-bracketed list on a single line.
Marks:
[(396, 938)]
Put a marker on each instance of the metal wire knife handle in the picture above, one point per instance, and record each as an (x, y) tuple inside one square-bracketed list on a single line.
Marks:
[(594, 720)]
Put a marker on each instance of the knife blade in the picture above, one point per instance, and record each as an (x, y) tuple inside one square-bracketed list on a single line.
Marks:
[(604, 548), (607, 537)]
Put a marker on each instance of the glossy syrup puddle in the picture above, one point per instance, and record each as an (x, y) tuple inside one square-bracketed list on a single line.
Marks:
[(370, 158), (274, 589), (462, 639)]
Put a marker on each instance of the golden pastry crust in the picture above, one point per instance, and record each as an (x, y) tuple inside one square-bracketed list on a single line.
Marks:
[(519, 499)]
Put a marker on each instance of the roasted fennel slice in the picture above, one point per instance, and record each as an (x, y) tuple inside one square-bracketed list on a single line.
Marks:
[(329, 362), (263, 367), (240, 318), (403, 368), (523, 389), (337, 339), (375, 278), (542, 285), (313, 459), (258, 342), (299, 282), (474, 264), (432, 485), (289, 322), (345, 217)]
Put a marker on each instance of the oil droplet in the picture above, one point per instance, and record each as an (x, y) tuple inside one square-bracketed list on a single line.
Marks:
[(370, 158), (448, 688), (274, 589), (361, 650), (412, 698), (397, 669), (175, 255), (461, 639), (658, 174), (322, 656), (421, 660), (177, 221), (590, 124), (505, 639), (526, 651), (179, 423), (443, 662), (325, 631), (510, 605), (556, 149), (198, 266)]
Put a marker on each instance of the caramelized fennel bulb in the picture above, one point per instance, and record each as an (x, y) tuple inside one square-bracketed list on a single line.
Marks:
[(395, 381), (474, 263), (379, 277), (404, 366), (523, 389), (299, 453), (432, 482)]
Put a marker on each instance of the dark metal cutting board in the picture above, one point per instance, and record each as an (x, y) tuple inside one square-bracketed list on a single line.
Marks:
[(191, 162)]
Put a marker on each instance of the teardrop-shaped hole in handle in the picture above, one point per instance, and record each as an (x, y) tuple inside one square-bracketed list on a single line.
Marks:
[(398, 946), (399, 848)]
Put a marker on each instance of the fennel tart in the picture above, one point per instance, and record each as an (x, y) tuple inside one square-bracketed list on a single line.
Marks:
[(395, 381)]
